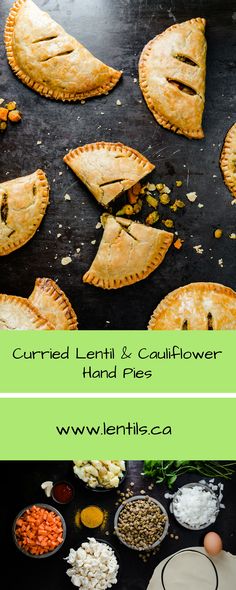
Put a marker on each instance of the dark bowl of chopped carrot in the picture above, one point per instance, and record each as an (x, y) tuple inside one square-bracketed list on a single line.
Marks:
[(39, 530)]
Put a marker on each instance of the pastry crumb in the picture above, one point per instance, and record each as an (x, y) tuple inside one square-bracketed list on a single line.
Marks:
[(135, 80), (58, 235), (232, 236), (82, 102), (198, 249), (118, 102), (233, 202), (60, 225), (93, 242), (221, 262), (78, 250), (67, 197), (98, 225), (66, 260), (39, 142), (200, 205), (60, 173), (191, 196)]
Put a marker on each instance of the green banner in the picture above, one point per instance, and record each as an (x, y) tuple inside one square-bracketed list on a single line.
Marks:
[(114, 429), (117, 361)]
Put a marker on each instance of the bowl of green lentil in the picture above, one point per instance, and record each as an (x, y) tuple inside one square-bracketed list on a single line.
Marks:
[(141, 523)]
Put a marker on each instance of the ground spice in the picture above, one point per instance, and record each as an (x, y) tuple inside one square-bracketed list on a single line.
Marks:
[(92, 517)]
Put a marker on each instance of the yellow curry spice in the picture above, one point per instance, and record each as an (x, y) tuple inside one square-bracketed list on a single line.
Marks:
[(92, 517)]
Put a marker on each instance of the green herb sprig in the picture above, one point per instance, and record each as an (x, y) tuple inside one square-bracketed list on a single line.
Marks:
[(168, 471)]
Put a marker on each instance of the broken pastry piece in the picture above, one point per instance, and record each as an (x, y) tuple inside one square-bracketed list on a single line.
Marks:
[(128, 253), (50, 61), (197, 306), (23, 202), (47, 308), (108, 169), (17, 313), (228, 160), (53, 304), (172, 72)]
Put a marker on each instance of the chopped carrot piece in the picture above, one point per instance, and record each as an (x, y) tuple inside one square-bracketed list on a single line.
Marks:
[(178, 244), (39, 530)]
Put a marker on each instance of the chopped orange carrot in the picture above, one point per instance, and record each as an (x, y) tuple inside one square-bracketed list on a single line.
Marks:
[(39, 530), (178, 244)]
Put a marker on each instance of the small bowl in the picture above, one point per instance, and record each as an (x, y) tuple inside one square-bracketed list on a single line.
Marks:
[(165, 531), (63, 481), (50, 509), (175, 500), (100, 489)]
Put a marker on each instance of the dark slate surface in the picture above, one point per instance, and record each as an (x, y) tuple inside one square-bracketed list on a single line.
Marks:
[(21, 486), (116, 32)]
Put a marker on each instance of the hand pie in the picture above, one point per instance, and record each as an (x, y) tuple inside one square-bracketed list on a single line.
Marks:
[(108, 169), (17, 313), (172, 71), (128, 253), (49, 60), (53, 304), (23, 202), (228, 160), (198, 306)]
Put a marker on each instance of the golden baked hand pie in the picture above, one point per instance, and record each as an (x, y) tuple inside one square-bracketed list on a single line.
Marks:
[(53, 304), (107, 168), (197, 306), (172, 71), (23, 202), (49, 60), (228, 160), (128, 253), (17, 313)]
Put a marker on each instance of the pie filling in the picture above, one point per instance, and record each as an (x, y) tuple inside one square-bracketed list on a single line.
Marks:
[(183, 87), (57, 55), (4, 208), (45, 39), (185, 59), (185, 324)]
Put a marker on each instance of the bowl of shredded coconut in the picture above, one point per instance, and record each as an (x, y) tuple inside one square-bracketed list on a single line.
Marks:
[(93, 566), (195, 506)]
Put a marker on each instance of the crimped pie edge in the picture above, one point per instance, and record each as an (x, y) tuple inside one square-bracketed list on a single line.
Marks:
[(171, 297), (37, 86), (112, 147), (43, 206), (191, 134), (92, 279), (49, 286), (225, 153), (38, 320)]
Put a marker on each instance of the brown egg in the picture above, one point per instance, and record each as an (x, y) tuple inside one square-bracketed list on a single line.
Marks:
[(213, 543)]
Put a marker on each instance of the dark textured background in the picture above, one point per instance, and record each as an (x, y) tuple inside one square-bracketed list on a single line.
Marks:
[(116, 32), (20, 486)]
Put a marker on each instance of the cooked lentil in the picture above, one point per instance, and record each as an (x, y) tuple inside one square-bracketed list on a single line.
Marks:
[(141, 523)]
